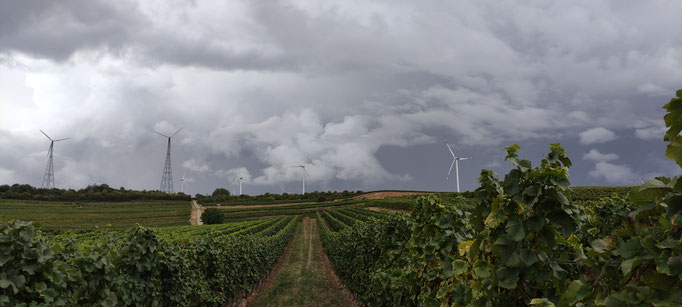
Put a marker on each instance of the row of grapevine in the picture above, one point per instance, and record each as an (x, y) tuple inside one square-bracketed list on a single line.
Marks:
[(151, 267), (347, 217), (596, 193)]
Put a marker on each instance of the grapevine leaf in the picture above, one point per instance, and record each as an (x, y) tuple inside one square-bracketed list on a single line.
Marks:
[(482, 269), (508, 277), (628, 265), (673, 121), (668, 243), (543, 302), (630, 248), (515, 230), (646, 195), (528, 257), (447, 269), (535, 223), (460, 267), (4, 283), (658, 281), (675, 265), (674, 205)]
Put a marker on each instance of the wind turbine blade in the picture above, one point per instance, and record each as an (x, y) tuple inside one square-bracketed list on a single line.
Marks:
[(305, 172), (176, 132), (64, 139), (46, 135), (467, 158), (235, 181), (450, 149), (183, 175), (161, 134), (450, 171)]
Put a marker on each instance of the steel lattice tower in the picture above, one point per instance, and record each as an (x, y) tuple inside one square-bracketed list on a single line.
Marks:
[(48, 178), (167, 177)]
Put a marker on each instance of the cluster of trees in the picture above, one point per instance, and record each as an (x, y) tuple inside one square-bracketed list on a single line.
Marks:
[(104, 192), (101, 192), (221, 195)]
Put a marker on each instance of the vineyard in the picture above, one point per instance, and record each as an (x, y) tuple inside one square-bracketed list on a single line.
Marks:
[(525, 239), (165, 266), (522, 241), (71, 214)]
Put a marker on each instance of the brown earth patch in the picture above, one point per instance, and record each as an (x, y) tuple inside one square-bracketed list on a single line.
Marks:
[(379, 209), (380, 195)]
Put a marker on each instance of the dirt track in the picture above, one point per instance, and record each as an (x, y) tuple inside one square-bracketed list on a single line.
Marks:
[(372, 195), (305, 277), (380, 195)]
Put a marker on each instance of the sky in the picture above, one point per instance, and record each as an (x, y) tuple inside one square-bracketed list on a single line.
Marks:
[(361, 92)]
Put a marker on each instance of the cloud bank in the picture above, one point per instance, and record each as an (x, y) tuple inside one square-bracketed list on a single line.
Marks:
[(260, 86)]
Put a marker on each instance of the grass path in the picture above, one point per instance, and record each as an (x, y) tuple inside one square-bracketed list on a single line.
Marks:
[(305, 279)]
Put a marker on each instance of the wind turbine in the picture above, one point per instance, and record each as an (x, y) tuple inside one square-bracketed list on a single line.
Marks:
[(167, 178), (455, 162), (182, 182), (282, 188), (240, 179), (48, 178), (304, 173)]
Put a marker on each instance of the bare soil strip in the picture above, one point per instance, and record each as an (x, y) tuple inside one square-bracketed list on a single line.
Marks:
[(380, 195), (379, 209), (306, 277), (373, 195), (195, 214)]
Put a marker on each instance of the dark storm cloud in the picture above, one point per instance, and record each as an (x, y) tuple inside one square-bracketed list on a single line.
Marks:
[(57, 29), (360, 91)]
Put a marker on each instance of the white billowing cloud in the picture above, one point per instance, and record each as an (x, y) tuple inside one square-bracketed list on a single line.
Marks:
[(649, 130), (614, 173), (234, 174), (596, 156), (196, 166), (344, 150), (596, 135)]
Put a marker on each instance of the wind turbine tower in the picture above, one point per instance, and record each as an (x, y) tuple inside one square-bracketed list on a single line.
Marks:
[(48, 178), (167, 178), (182, 182), (240, 179), (304, 174), (455, 162)]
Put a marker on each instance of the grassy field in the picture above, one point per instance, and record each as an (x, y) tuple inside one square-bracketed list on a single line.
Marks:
[(64, 215)]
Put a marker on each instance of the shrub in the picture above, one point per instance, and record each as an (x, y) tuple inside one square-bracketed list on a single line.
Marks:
[(212, 216)]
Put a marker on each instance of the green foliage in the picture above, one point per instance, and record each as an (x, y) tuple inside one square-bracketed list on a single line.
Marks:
[(673, 121), (225, 199), (597, 193), (174, 266), (220, 192), (525, 243), (85, 215), (212, 216), (30, 272), (96, 193)]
